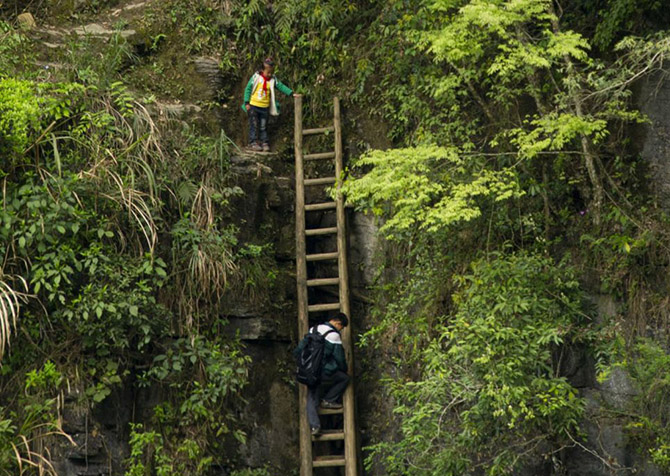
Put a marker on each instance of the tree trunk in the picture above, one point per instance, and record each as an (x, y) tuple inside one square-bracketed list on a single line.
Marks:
[(586, 143)]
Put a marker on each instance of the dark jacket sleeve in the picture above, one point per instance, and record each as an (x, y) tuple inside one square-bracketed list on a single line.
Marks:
[(339, 357), (334, 358)]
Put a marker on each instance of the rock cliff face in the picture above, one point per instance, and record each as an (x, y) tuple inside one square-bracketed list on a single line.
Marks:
[(654, 100), (267, 327), (607, 447)]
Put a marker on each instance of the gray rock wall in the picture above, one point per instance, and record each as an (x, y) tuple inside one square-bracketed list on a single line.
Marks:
[(654, 101), (267, 328)]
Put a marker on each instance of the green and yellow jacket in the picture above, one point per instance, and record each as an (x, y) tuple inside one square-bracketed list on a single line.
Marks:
[(274, 82)]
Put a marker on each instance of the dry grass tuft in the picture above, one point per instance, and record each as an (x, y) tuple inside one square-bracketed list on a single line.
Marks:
[(10, 304)]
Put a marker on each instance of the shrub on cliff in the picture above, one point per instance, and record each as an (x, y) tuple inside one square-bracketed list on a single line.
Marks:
[(490, 394)]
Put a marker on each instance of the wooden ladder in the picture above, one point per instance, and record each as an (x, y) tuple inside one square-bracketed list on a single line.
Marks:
[(348, 433)]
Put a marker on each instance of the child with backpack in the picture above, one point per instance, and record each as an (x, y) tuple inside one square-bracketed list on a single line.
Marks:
[(260, 103), (322, 366)]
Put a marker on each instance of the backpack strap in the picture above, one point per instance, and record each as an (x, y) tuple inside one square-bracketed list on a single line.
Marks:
[(315, 330), (332, 329)]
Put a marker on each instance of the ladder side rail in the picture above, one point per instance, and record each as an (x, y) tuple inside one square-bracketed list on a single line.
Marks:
[(301, 282), (350, 438)]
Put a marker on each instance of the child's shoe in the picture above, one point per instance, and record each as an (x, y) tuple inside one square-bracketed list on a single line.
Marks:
[(266, 147), (255, 147)]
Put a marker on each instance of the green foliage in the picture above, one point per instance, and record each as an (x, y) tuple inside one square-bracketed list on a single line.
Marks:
[(203, 258), (25, 432), (554, 132), (219, 371), (311, 33), (251, 472), (102, 225), (93, 63), (257, 273), (109, 299), (404, 91), (512, 136), (531, 119), (116, 308), (625, 17), (174, 30), (645, 364), (408, 308), (496, 55), (198, 23), (8, 463), (158, 462), (533, 113), (106, 379), (20, 112), (428, 188), (16, 50), (300, 34), (149, 455), (204, 378), (44, 379), (490, 391)]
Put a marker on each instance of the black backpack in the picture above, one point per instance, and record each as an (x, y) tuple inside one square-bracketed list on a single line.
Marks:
[(310, 358)]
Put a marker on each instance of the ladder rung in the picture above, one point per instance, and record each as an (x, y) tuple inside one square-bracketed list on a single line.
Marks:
[(321, 231), (329, 435), (322, 256), (333, 306), (319, 156), (331, 411), (318, 130), (333, 460), (323, 282), (315, 207), (320, 181)]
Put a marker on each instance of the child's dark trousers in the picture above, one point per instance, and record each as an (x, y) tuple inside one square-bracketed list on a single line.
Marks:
[(258, 124)]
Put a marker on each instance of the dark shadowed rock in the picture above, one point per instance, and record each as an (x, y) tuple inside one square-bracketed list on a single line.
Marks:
[(618, 390), (364, 241), (209, 69), (654, 101)]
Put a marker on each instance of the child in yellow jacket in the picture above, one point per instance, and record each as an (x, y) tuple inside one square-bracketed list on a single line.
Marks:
[(260, 103)]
